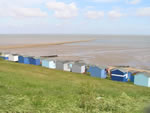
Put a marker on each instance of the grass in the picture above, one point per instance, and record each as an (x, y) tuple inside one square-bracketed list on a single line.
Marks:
[(34, 89)]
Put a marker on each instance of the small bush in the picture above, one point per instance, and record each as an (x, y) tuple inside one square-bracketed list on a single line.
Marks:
[(91, 102)]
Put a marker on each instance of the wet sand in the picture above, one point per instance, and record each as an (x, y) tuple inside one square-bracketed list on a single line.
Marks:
[(97, 55), (101, 54)]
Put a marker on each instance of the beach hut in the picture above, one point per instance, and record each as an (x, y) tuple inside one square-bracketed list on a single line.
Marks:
[(79, 68), (34, 60), (142, 79), (131, 75), (24, 59), (52, 64), (64, 65), (97, 72), (119, 75), (13, 57), (45, 63), (49, 63), (4, 56)]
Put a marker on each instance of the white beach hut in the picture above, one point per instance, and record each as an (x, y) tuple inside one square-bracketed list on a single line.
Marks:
[(13, 57), (79, 68), (64, 65)]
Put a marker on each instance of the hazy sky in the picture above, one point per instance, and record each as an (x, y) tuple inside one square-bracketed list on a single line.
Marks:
[(75, 16)]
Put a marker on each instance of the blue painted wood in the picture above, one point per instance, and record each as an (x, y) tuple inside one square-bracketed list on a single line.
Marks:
[(22, 59), (118, 72), (142, 79), (5, 58), (130, 77), (121, 79), (97, 72), (45, 63), (118, 75), (34, 61)]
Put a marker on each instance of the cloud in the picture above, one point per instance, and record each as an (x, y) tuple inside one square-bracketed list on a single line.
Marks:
[(95, 14), (106, 1), (63, 10), (114, 14), (21, 8), (143, 11), (23, 12), (29, 12), (134, 2)]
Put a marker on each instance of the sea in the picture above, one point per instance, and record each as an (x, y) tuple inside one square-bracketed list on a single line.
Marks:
[(132, 50)]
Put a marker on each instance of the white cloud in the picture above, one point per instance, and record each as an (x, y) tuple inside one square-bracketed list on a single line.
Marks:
[(95, 14), (21, 8), (23, 12), (114, 14), (143, 11), (63, 10), (28, 12), (106, 1), (134, 2)]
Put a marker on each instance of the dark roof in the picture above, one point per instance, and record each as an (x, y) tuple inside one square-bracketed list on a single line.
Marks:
[(15, 54), (120, 69), (64, 61), (80, 64)]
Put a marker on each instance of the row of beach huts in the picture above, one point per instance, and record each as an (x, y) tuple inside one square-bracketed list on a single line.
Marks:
[(115, 73)]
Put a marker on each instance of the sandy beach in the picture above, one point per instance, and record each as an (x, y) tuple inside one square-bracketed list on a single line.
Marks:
[(81, 49)]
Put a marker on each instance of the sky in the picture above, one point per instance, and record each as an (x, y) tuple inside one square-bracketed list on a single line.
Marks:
[(75, 17)]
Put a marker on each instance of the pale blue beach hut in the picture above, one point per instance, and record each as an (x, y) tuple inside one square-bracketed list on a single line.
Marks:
[(49, 63), (97, 72), (45, 63), (142, 79)]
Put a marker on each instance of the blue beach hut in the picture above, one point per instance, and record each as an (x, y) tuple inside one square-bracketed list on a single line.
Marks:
[(24, 59), (34, 61), (142, 79), (119, 75), (131, 75), (97, 72), (4, 56)]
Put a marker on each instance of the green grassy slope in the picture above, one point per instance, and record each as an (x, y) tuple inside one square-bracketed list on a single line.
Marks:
[(34, 89)]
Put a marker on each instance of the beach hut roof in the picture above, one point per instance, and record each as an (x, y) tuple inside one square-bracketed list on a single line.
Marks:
[(66, 61), (120, 69), (99, 66), (133, 71), (80, 64), (35, 57), (15, 54)]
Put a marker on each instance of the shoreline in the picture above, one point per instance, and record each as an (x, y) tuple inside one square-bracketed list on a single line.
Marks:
[(102, 52)]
